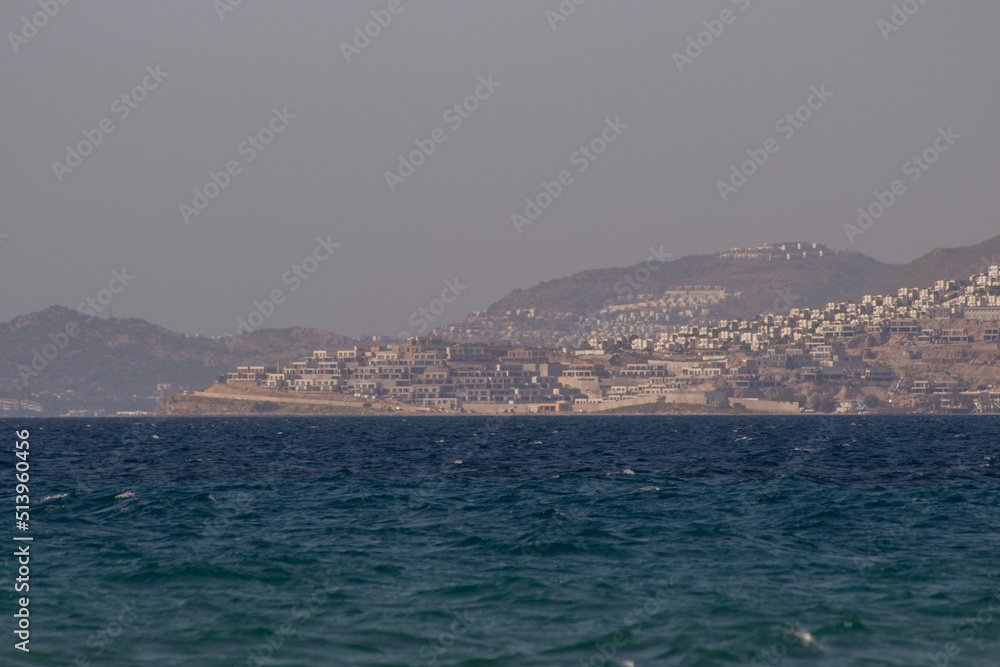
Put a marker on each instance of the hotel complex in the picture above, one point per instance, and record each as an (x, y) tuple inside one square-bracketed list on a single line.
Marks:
[(730, 361)]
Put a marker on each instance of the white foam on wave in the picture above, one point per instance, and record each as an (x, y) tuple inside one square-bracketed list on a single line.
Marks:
[(804, 636)]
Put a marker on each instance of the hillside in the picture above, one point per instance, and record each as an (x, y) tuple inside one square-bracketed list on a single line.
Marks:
[(939, 264), (807, 282), (117, 364)]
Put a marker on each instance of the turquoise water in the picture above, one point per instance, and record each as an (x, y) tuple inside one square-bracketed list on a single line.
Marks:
[(511, 541)]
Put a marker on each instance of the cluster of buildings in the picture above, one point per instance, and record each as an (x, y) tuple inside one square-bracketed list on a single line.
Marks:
[(779, 251), (426, 372), (641, 315), (730, 356), (647, 316), (19, 406), (929, 314), (434, 375), (521, 326)]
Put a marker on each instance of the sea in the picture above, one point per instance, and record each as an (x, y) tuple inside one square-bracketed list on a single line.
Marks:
[(505, 541)]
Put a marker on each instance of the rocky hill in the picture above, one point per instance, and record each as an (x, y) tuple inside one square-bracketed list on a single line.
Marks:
[(939, 264), (794, 283), (697, 290), (64, 362), (802, 282)]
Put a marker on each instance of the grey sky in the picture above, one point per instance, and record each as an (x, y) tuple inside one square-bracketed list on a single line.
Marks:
[(323, 174)]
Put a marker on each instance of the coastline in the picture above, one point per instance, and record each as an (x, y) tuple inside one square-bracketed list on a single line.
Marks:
[(206, 404)]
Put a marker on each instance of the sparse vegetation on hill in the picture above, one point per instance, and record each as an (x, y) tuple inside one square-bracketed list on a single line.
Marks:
[(117, 364), (939, 264), (807, 282)]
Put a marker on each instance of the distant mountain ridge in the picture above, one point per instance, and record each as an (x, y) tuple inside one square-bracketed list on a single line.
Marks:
[(938, 264), (60, 359), (116, 364), (806, 282)]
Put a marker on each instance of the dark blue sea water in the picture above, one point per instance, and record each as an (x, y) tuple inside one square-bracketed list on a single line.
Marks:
[(509, 541)]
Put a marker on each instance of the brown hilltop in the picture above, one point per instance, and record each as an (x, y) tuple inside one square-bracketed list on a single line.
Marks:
[(938, 264), (809, 282)]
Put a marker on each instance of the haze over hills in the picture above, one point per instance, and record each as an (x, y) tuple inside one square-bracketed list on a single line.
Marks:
[(647, 299), (812, 281), (116, 364), (939, 264), (809, 281)]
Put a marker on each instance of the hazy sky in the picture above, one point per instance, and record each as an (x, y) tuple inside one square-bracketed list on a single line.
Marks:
[(213, 82)]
